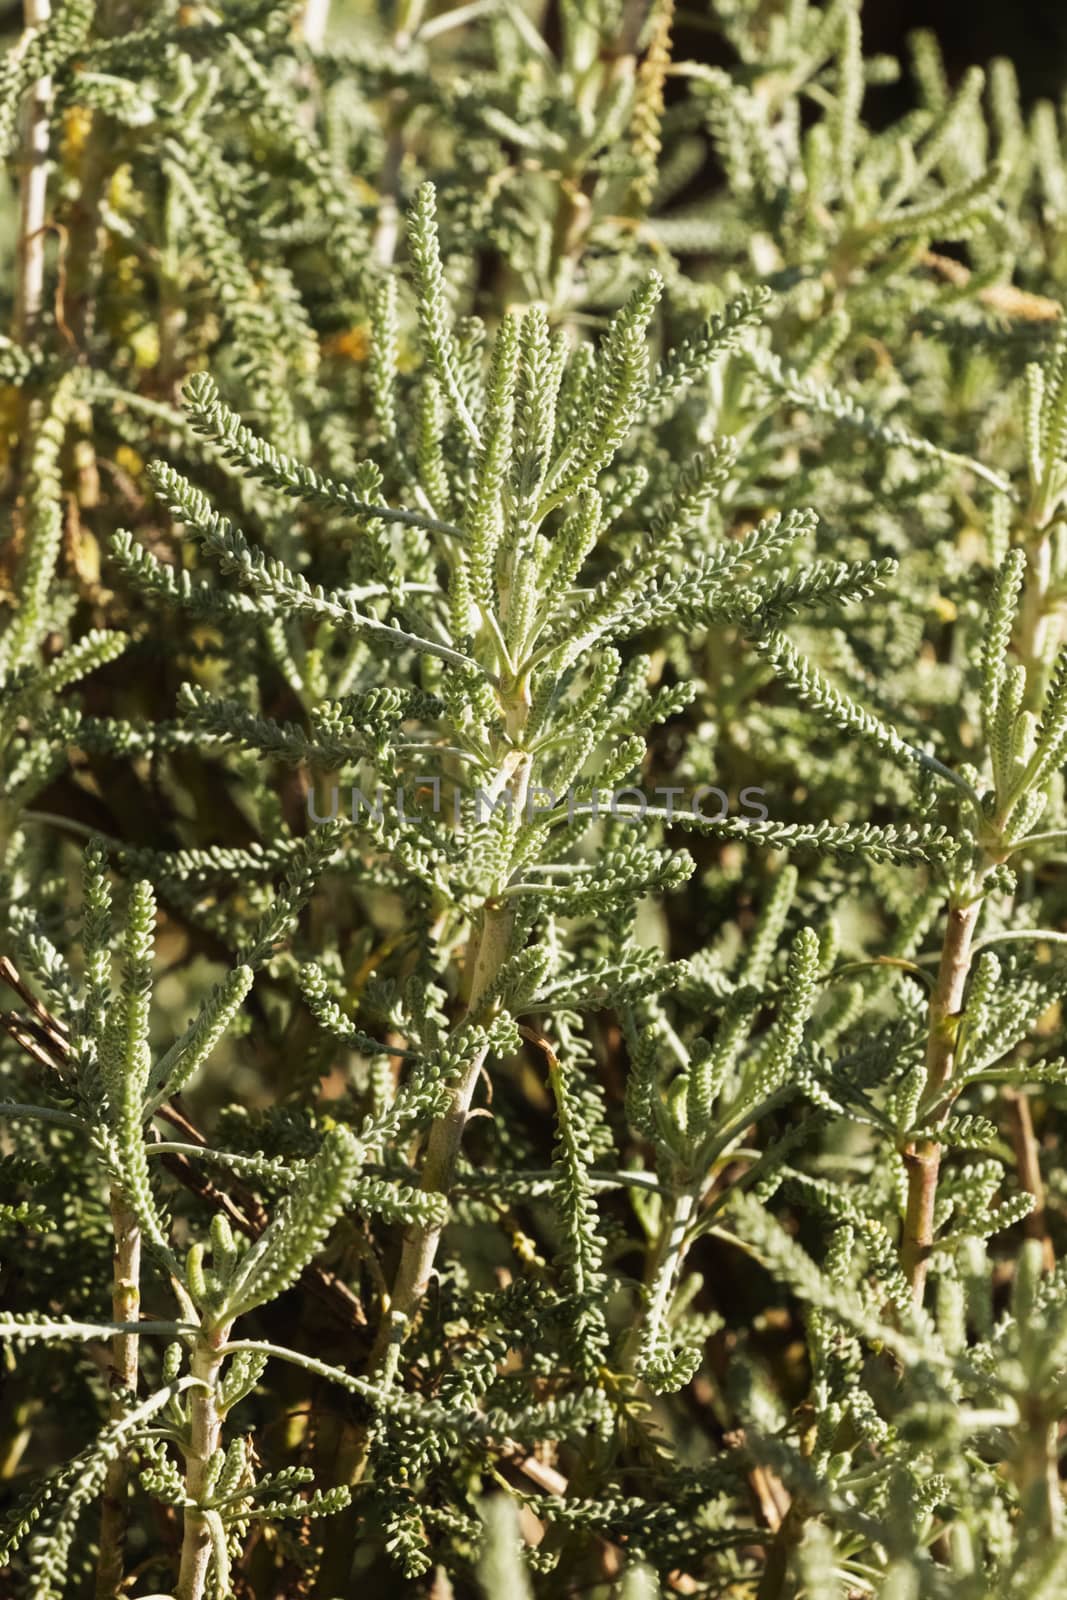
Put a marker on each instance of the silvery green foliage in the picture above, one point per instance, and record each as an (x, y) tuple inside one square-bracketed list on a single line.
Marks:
[(515, 1174)]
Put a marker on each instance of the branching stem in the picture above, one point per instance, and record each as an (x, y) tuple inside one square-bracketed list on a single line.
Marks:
[(205, 1429), (125, 1308), (421, 1240), (922, 1157), (662, 1270)]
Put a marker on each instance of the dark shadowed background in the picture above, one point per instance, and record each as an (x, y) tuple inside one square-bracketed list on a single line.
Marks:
[(1032, 32)]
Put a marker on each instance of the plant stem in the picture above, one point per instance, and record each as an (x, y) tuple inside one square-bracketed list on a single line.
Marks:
[(1037, 631), (84, 232), (205, 1428), (662, 1268), (421, 1240), (776, 1565), (922, 1157), (1038, 1473), (1028, 1166), (574, 211), (442, 1150), (313, 23), (125, 1308), (33, 193)]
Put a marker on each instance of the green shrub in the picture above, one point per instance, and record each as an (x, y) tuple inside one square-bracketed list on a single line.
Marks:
[(533, 710)]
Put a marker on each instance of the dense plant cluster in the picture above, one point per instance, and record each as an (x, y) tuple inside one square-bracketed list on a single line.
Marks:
[(533, 717)]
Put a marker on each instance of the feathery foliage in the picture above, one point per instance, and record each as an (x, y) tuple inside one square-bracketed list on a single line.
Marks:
[(533, 721)]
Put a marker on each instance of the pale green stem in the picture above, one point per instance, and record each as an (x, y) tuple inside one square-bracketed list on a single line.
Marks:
[(1041, 935), (662, 1271), (205, 1431), (125, 1306), (62, 1119)]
